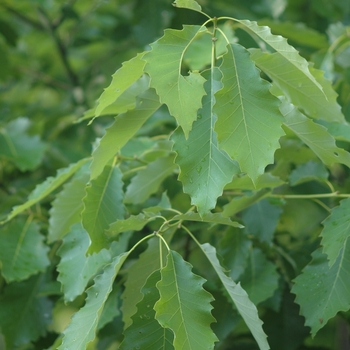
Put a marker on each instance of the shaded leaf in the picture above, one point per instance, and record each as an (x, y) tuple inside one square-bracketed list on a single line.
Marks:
[(204, 168), (323, 291), (124, 127), (145, 332), (338, 131), (307, 172), (148, 180), (249, 122), (184, 306), (163, 204), (103, 205), (45, 188), (22, 250), (110, 310), (336, 231), (266, 180), (75, 268), (182, 94)]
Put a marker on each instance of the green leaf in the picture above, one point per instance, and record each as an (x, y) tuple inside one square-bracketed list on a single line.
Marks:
[(336, 231), (338, 131), (148, 180), (145, 332), (182, 94), (75, 268), (239, 297), (45, 188), (122, 79), (204, 168), (310, 171), (81, 331), (213, 218), (163, 204), (110, 310), (266, 180), (184, 306), (260, 278), (22, 250), (261, 219), (317, 100), (188, 4), (67, 207), (24, 313), (249, 122), (103, 205), (314, 135), (124, 127), (16, 144), (322, 291)]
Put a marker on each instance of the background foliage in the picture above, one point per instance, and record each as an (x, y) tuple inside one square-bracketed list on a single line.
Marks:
[(291, 257)]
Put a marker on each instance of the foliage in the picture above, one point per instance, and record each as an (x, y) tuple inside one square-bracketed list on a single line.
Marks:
[(213, 209)]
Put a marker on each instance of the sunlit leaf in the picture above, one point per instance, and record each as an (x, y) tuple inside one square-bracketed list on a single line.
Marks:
[(182, 94), (323, 291), (145, 332), (188, 4), (184, 306), (249, 122), (103, 205), (22, 250), (336, 231), (204, 168), (124, 127)]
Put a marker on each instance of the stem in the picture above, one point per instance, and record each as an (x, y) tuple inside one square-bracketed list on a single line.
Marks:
[(162, 239), (310, 196)]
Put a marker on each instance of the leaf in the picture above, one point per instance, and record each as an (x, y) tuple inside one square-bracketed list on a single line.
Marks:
[(213, 218), (261, 219), (249, 122), (204, 168), (184, 306), (314, 135), (336, 231), (16, 144), (310, 171), (145, 332), (45, 188), (322, 291), (239, 296), (67, 207), (163, 204), (24, 313), (148, 180), (110, 310), (103, 205), (182, 94), (75, 268), (124, 127), (260, 278), (22, 250), (317, 100), (188, 4), (266, 180), (81, 331), (338, 131), (122, 79)]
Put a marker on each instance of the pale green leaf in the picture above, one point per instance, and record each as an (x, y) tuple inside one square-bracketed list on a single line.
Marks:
[(67, 207), (122, 79), (82, 328), (75, 268), (239, 297), (145, 332), (22, 250), (318, 101), (266, 180), (212, 218), (204, 168), (103, 205), (336, 231), (338, 131), (184, 306), (260, 278), (314, 135), (17, 145), (124, 127), (45, 188), (24, 313), (182, 94), (261, 219), (148, 180), (249, 122), (188, 4), (310, 171), (323, 291)]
